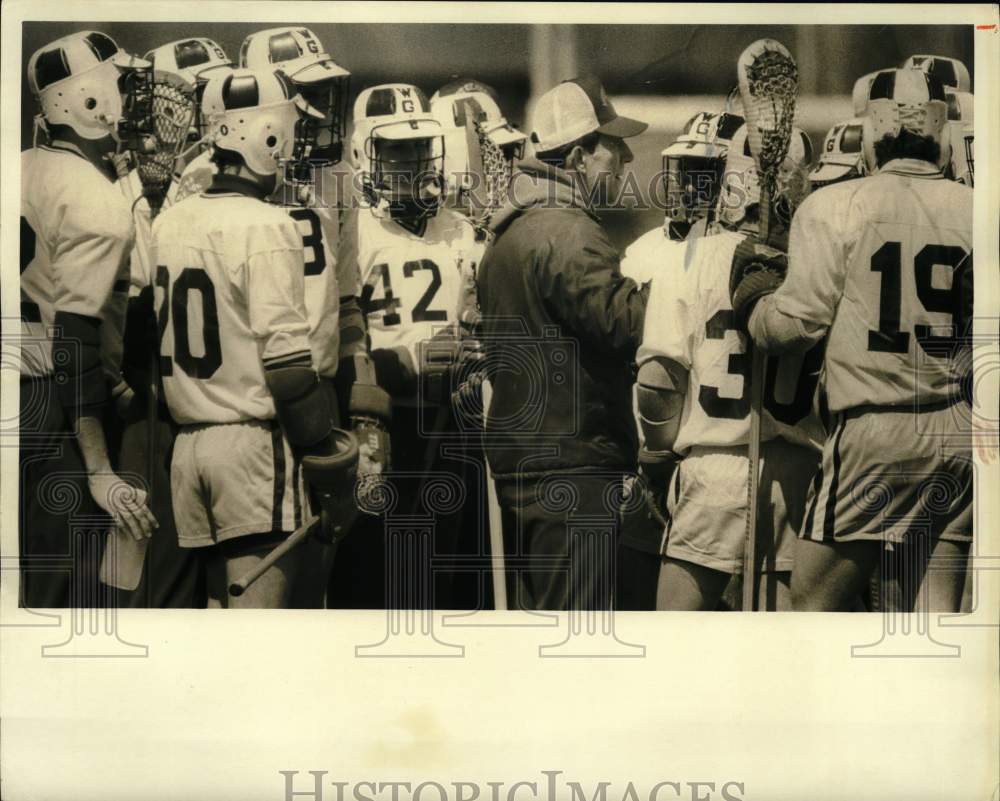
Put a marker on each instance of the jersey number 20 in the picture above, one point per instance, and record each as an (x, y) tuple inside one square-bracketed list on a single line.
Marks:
[(175, 302)]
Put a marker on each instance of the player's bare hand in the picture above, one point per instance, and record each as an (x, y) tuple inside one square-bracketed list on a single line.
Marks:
[(124, 503)]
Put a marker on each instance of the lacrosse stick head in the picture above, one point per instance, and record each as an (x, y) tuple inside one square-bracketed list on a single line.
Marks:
[(159, 118), (768, 85)]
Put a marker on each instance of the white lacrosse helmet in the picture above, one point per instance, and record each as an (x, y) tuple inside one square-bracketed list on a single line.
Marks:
[(388, 119), (76, 81), (842, 157), (740, 190), (260, 115), (949, 71), (903, 98), (299, 53), (461, 106), (694, 164), (859, 94), (196, 59)]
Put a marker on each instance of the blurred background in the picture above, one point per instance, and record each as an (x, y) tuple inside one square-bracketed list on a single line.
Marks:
[(661, 74)]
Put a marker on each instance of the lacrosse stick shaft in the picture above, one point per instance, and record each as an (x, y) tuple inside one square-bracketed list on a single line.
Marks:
[(768, 84), (296, 538), (753, 480), (499, 567)]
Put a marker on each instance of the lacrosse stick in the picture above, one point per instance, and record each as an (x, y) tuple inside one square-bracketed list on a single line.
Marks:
[(768, 85), (296, 538), (159, 110)]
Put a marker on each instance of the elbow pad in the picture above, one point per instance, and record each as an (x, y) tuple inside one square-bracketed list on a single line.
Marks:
[(302, 407), (76, 357), (660, 389)]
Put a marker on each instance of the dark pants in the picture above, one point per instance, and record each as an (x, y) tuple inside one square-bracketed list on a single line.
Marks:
[(173, 577), (561, 537), (430, 548), (62, 530), (638, 560)]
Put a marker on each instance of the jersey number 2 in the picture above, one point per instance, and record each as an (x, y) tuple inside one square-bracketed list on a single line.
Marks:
[(388, 303), (176, 303)]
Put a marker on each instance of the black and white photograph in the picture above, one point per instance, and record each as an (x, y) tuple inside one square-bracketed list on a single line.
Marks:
[(472, 320)]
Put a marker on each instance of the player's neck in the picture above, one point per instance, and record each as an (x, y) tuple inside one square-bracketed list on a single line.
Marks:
[(97, 151), (243, 181)]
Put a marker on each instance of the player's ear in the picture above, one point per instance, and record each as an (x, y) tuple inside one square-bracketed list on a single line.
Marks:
[(574, 159)]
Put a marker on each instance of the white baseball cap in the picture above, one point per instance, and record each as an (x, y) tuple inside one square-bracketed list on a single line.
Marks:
[(575, 108)]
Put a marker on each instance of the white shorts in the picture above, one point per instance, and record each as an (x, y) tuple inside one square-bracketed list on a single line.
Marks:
[(707, 502), (889, 474), (232, 480)]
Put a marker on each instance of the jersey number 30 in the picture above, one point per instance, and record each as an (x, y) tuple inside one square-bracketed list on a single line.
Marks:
[(719, 407), (175, 302)]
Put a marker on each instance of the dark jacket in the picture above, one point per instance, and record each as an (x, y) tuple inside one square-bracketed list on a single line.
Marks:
[(561, 327)]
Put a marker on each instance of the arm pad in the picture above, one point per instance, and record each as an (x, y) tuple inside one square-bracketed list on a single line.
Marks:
[(660, 391), (76, 356), (303, 408)]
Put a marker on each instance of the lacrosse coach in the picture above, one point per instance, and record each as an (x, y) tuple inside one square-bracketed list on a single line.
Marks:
[(561, 327)]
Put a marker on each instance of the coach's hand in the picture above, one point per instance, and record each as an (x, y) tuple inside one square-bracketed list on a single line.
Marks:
[(446, 360), (757, 270), (124, 503)]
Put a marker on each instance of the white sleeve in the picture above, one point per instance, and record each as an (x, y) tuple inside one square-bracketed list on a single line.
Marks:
[(817, 261), (94, 236), (669, 325), (274, 286)]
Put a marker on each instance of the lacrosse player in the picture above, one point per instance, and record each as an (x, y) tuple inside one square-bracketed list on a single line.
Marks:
[(694, 403), (692, 172), (235, 358), (76, 234), (882, 268), (414, 258)]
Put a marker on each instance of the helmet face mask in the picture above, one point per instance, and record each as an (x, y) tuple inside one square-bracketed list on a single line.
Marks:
[(398, 150), (330, 99), (407, 173), (692, 186), (694, 166)]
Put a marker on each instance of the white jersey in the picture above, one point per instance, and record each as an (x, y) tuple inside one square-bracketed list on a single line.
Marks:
[(229, 297), (689, 320), (319, 230), (875, 260), (76, 234), (413, 284), (654, 252)]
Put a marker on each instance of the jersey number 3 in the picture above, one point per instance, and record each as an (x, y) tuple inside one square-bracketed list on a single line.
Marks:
[(175, 302)]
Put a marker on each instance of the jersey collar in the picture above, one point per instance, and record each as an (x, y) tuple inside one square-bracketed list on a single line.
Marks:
[(223, 184), (915, 168), (106, 168)]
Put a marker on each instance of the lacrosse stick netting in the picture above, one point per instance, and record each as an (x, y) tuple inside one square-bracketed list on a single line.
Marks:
[(769, 84), (171, 117)]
